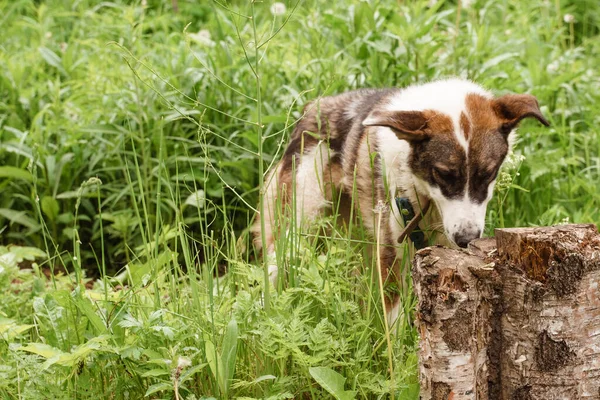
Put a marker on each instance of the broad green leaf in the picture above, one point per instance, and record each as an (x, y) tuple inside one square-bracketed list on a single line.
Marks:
[(332, 382), (27, 253), (52, 58), (95, 345), (129, 321), (190, 372), (158, 388), (87, 308), (13, 255), (15, 173), (411, 391), (19, 217), (134, 352), (42, 349), (141, 273), (211, 358), (50, 207), (228, 354), (9, 329)]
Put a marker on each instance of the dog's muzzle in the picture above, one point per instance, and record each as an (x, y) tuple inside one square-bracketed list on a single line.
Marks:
[(462, 239)]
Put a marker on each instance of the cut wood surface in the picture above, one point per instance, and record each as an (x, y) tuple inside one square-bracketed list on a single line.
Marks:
[(515, 318)]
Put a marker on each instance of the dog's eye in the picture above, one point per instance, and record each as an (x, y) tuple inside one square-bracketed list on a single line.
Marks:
[(505, 129), (443, 174), (486, 176)]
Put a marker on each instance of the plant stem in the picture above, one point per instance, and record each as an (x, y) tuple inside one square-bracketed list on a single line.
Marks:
[(261, 172), (380, 211)]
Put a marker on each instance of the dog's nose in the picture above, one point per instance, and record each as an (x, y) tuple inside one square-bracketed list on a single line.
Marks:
[(462, 239)]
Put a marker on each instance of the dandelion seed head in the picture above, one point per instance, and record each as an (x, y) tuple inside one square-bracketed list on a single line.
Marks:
[(467, 3), (380, 207), (203, 38), (278, 8), (183, 362)]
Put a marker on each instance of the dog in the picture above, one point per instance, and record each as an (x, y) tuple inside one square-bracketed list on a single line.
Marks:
[(441, 142)]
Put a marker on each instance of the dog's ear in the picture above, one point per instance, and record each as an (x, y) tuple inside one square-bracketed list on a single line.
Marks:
[(407, 125), (512, 108)]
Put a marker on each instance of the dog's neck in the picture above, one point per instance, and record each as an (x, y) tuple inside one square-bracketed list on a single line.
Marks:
[(431, 223)]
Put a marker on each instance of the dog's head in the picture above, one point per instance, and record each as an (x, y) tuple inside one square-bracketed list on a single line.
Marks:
[(459, 136)]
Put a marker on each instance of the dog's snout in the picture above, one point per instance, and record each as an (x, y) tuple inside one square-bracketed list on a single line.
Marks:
[(462, 239)]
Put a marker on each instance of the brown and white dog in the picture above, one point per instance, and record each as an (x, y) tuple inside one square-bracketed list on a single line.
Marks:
[(443, 140)]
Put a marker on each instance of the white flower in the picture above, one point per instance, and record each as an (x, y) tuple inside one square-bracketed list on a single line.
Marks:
[(569, 18), (380, 207), (432, 3), (467, 3), (552, 67), (202, 38), (278, 9), (183, 362), (508, 32)]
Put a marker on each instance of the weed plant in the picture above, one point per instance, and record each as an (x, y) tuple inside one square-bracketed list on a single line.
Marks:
[(134, 136)]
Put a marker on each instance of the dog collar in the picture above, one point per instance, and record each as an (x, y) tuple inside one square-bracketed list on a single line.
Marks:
[(411, 221)]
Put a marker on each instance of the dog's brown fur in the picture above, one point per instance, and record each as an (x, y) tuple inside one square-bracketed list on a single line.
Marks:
[(331, 151)]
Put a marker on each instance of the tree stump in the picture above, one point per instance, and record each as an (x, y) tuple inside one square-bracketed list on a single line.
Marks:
[(516, 317)]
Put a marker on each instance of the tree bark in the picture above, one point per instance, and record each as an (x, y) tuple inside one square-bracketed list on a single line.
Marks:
[(513, 318)]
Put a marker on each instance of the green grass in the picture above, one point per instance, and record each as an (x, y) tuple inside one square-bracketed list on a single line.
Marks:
[(131, 150)]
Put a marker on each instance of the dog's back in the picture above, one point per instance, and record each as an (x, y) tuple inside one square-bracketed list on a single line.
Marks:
[(321, 154)]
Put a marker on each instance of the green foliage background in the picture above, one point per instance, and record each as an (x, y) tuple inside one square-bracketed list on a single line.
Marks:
[(129, 152)]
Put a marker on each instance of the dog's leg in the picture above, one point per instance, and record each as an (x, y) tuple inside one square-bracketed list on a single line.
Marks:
[(374, 200), (296, 192), (269, 198), (390, 259), (387, 257), (310, 184)]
